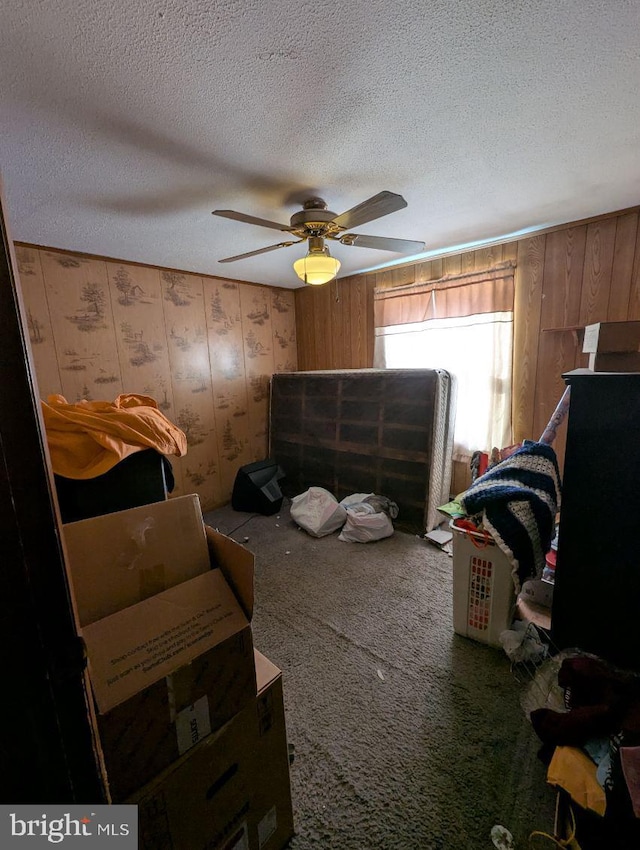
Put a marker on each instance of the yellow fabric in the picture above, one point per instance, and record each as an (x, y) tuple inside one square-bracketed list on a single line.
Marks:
[(572, 770), (89, 438)]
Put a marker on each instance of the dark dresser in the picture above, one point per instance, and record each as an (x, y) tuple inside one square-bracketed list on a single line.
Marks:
[(596, 604)]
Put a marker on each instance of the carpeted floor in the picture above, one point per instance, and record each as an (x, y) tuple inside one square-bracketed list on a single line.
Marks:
[(406, 736)]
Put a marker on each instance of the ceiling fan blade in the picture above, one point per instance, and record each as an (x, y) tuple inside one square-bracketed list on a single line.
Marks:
[(251, 219), (259, 251), (383, 243), (381, 204)]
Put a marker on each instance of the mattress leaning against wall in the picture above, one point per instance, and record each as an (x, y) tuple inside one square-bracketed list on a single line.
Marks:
[(444, 421), (387, 431)]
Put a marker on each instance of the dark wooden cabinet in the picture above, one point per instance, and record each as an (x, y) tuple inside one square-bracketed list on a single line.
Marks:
[(596, 604)]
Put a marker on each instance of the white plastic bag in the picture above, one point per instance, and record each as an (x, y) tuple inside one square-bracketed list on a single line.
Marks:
[(376, 503), (354, 499), (318, 512), (365, 527)]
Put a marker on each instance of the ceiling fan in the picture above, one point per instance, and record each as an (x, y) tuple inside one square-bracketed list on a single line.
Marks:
[(316, 223)]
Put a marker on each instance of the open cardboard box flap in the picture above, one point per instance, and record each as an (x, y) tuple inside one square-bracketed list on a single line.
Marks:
[(154, 588), (266, 671), (134, 648), (236, 564), (118, 559)]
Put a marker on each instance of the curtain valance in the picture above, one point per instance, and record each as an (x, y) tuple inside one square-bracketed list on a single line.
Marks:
[(490, 291)]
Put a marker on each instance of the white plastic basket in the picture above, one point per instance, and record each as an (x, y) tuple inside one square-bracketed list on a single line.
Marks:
[(483, 592)]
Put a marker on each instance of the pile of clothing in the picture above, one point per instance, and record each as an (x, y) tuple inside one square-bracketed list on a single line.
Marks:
[(515, 501), (89, 438), (593, 746)]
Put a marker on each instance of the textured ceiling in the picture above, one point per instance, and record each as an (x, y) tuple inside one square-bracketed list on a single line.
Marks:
[(123, 124)]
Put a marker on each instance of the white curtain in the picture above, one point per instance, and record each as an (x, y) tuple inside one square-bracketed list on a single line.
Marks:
[(477, 350)]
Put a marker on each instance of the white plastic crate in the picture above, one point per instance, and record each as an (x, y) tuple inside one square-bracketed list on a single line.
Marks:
[(483, 592)]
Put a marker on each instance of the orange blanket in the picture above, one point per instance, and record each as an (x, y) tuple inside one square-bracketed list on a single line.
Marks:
[(89, 438)]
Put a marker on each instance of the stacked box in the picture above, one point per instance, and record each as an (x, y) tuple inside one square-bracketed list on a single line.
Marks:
[(169, 644), (189, 717), (271, 812), (613, 346), (231, 792)]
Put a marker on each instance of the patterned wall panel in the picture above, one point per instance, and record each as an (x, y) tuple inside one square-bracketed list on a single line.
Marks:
[(226, 353), (186, 328), (136, 299), (43, 347), (83, 326), (255, 306), (203, 348), (283, 325)]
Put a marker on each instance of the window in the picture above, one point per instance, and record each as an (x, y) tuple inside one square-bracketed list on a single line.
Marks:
[(464, 325)]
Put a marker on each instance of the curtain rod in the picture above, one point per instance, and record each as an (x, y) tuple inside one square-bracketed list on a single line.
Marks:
[(503, 269)]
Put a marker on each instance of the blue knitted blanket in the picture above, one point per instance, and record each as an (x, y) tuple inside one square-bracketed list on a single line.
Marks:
[(519, 500)]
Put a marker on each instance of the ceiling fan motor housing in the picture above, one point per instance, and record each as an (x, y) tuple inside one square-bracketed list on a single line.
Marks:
[(314, 219)]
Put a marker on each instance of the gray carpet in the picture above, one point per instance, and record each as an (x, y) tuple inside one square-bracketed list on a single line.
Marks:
[(407, 736)]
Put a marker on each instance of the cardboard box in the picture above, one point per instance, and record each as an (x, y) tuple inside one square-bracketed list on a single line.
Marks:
[(203, 799), (271, 813), (615, 361), (606, 337), (171, 668), (122, 558), (231, 791)]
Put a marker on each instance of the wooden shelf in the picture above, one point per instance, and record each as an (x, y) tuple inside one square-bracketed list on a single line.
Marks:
[(576, 330), (564, 328)]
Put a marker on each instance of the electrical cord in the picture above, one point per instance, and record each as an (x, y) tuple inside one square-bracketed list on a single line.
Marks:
[(568, 843), (244, 522), (285, 499), (233, 530)]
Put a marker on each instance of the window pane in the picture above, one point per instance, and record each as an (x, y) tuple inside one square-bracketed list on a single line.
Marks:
[(477, 351)]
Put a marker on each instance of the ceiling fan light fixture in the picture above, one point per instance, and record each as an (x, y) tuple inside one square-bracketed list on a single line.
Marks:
[(317, 267)]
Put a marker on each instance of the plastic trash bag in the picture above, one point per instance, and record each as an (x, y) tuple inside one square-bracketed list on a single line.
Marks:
[(523, 643), (382, 503), (354, 499), (544, 690), (318, 512), (362, 526), (377, 503)]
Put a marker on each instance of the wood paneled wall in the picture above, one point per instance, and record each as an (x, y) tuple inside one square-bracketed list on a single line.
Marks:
[(335, 324), (204, 348), (565, 278)]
